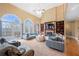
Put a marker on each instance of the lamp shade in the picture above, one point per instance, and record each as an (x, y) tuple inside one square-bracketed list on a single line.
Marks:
[(72, 11)]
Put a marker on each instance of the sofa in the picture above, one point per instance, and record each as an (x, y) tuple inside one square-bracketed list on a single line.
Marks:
[(30, 36), (55, 42)]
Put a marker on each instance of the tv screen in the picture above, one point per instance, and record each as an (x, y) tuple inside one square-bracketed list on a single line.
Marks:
[(51, 26)]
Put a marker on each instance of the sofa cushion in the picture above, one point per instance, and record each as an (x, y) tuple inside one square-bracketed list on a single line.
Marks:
[(15, 43), (53, 34), (60, 39), (53, 38)]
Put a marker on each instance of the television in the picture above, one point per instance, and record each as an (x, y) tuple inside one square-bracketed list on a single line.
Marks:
[(49, 33), (50, 26)]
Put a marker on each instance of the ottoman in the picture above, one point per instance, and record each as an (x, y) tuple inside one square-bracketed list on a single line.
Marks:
[(40, 38)]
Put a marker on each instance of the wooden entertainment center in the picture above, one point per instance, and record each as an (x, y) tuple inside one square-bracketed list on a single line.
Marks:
[(53, 27)]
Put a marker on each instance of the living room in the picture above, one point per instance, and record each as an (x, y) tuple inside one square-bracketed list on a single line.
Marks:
[(35, 29)]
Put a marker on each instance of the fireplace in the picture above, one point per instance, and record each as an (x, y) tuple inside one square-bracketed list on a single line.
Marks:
[(48, 33)]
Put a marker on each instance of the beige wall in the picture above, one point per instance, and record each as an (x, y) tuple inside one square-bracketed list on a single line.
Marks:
[(70, 28), (73, 27), (49, 15), (54, 14), (61, 12), (8, 8), (76, 28)]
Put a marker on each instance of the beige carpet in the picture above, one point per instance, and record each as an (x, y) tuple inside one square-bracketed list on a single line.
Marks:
[(41, 49)]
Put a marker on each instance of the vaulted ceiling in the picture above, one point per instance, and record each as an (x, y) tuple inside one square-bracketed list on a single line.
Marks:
[(35, 8)]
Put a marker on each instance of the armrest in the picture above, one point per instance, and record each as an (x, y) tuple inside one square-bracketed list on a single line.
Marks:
[(26, 50)]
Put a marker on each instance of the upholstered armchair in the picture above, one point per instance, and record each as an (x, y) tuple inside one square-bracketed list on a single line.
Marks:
[(8, 49)]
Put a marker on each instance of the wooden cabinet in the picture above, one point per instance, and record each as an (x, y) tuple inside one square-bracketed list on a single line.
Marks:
[(53, 26), (60, 13), (60, 27)]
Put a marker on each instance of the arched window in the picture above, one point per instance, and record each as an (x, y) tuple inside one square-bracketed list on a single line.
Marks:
[(29, 27), (36, 28), (10, 25)]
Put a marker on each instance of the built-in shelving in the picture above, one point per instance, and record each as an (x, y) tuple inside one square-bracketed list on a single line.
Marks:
[(60, 27), (53, 27)]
